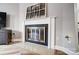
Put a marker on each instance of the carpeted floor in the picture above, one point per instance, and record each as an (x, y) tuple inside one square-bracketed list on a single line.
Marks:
[(57, 52), (26, 49)]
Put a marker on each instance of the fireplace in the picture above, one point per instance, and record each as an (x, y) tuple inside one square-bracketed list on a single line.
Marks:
[(37, 33)]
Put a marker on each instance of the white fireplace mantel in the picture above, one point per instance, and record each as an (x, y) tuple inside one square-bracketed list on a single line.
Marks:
[(51, 28)]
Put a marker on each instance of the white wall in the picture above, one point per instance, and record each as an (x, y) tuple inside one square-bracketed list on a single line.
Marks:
[(69, 27), (65, 24), (12, 11), (78, 11), (55, 10)]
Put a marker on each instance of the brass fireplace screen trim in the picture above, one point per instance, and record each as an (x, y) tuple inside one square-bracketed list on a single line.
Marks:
[(37, 26)]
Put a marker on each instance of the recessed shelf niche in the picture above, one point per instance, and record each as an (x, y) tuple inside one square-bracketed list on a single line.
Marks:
[(36, 11)]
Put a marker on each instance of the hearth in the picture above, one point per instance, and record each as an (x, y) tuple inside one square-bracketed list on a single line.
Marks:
[(37, 33)]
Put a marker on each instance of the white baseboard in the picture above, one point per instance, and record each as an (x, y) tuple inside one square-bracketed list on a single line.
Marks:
[(69, 52)]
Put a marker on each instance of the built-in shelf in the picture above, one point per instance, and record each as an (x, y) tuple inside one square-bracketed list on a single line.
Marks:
[(36, 11)]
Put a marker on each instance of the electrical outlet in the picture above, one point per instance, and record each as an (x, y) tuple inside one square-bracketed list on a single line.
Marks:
[(13, 33)]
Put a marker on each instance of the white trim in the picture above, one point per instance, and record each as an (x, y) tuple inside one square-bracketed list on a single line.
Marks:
[(52, 31), (41, 21), (69, 52), (76, 25)]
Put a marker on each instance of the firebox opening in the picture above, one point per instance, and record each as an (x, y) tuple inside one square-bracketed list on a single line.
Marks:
[(37, 33)]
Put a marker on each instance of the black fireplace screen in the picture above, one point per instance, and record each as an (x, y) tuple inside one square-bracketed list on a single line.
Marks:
[(37, 33)]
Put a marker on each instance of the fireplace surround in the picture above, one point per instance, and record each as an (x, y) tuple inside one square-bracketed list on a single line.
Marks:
[(37, 33), (51, 30)]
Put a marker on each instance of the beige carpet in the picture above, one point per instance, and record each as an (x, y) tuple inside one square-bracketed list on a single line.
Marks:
[(27, 49)]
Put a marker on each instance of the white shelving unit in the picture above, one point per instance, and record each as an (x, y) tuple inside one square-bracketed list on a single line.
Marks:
[(36, 11)]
